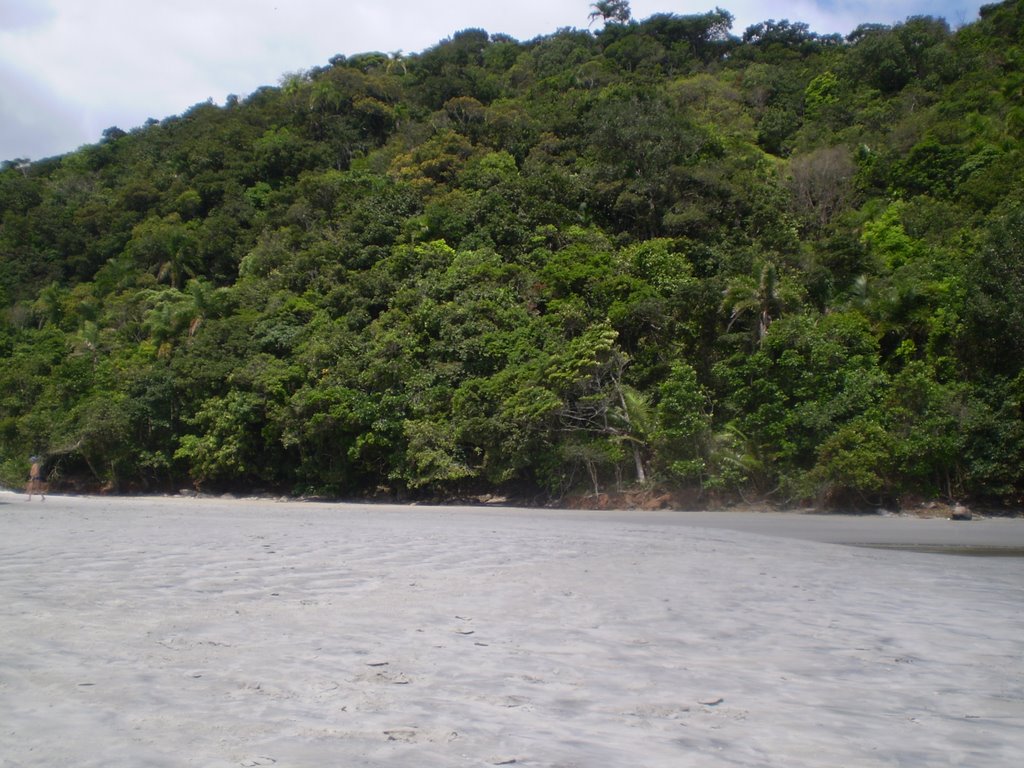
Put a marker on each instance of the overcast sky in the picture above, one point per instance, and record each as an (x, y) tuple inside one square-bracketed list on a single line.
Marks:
[(71, 68)]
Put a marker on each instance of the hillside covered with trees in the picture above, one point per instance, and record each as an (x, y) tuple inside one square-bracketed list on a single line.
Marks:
[(762, 263)]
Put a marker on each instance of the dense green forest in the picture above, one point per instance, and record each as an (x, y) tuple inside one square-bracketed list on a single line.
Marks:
[(661, 253)]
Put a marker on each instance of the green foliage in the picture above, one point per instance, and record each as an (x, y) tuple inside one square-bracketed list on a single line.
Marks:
[(854, 465), (683, 425), (228, 445), (821, 93), (808, 378), (783, 264)]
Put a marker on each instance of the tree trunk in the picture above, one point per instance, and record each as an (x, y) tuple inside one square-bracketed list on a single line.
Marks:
[(641, 475)]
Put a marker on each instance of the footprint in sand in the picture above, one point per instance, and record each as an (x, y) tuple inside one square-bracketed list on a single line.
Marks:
[(402, 734), (413, 734)]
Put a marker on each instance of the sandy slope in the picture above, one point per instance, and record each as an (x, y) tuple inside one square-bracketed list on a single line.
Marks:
[(172, 632)]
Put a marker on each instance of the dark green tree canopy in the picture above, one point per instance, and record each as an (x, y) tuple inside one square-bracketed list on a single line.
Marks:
[(655, 255)]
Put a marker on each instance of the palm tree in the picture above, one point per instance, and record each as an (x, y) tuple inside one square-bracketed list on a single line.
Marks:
[(610, 11), (161, 322), (49, 306), (637, 420), (88, 340), (396, 58), (169, 245), (763, 298), (203, 297)]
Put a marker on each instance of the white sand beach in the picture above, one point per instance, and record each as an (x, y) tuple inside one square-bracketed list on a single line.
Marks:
[(213, 633)]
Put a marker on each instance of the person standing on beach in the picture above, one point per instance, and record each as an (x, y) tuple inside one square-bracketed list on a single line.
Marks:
[(35, 480)]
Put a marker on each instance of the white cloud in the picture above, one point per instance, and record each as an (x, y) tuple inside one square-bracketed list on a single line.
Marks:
[(72, 68)]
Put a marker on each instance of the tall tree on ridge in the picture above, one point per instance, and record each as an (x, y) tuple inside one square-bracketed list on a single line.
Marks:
[(611, 11)]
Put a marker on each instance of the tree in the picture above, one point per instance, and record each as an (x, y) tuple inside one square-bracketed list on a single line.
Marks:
[(611, 11), (854, 466), (168, 247), (762, 298), (821, 182), (808, 378), (652, 253), (994, 275), (925, 418), (683, 422), (602, 415), (226, 447), (702, 36)]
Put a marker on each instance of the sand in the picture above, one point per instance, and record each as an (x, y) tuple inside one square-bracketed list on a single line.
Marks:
[(197, 632)]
